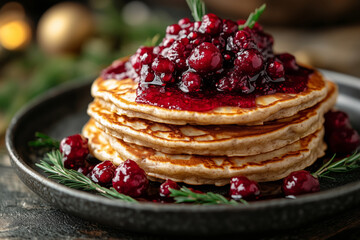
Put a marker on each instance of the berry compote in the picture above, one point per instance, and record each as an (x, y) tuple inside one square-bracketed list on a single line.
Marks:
[(200, 66)]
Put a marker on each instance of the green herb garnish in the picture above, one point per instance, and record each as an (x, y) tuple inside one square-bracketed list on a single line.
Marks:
[(52, 164), (44, 141), (185, 195), (346, 164), (151, 42), (197, 8), (253, 17)]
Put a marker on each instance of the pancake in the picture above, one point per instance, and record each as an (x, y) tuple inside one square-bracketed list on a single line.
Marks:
[(196, 169), (228, 140), (119, 95)]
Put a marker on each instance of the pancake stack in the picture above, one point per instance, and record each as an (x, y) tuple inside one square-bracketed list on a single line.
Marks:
[(282, 134)]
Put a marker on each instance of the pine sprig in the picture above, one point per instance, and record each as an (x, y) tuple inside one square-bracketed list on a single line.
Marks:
[(197, 8), (185, 195), (344, 165), (44, 141), (52, 164), (253, 17)]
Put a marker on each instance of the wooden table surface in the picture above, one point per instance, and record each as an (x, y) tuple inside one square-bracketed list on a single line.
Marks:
[(25, 215)]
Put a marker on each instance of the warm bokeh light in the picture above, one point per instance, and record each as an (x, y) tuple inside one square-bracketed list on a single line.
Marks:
[(15, 34)]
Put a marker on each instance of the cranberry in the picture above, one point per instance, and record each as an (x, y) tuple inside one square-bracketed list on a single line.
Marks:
[(226, 84), (116, 71), (244, 39), (243, 188), (103, 173), (168, 41), (173, 29), (86, 169), (228, 59), (190, 82), (289, 61), (176, 51), (184, 22), (162, 65), (336, 120), (75, 149), (276, 70), (130, 179), (146, 74), (219, 42), (211, 24), (249, 61), (166, 186), (229, 26), (197, 25), (205, 58), (143, 55), (300, 182), (344, 140)]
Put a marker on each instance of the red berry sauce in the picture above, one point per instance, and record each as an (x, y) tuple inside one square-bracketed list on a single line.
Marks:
[(200, 66)]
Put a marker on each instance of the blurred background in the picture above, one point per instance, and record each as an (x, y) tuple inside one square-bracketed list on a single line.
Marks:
[(44, 43)]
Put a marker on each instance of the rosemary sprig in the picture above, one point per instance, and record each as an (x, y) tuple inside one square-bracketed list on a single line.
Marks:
[(344, 165), (151, 42), (253, 17), (52, 164), (44, 141), (185, 195), (197, 8)]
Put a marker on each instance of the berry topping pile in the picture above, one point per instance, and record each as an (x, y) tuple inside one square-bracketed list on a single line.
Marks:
[(213, 62)]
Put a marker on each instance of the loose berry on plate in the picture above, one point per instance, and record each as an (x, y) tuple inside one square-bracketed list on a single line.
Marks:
[(74, 149), (300, 182), (243, 188), (130, 179), (165, 186), (336, 120), (344, 140), (103, 173)]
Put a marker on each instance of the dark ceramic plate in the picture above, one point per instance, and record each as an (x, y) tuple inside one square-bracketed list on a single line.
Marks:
[(62, 112)]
